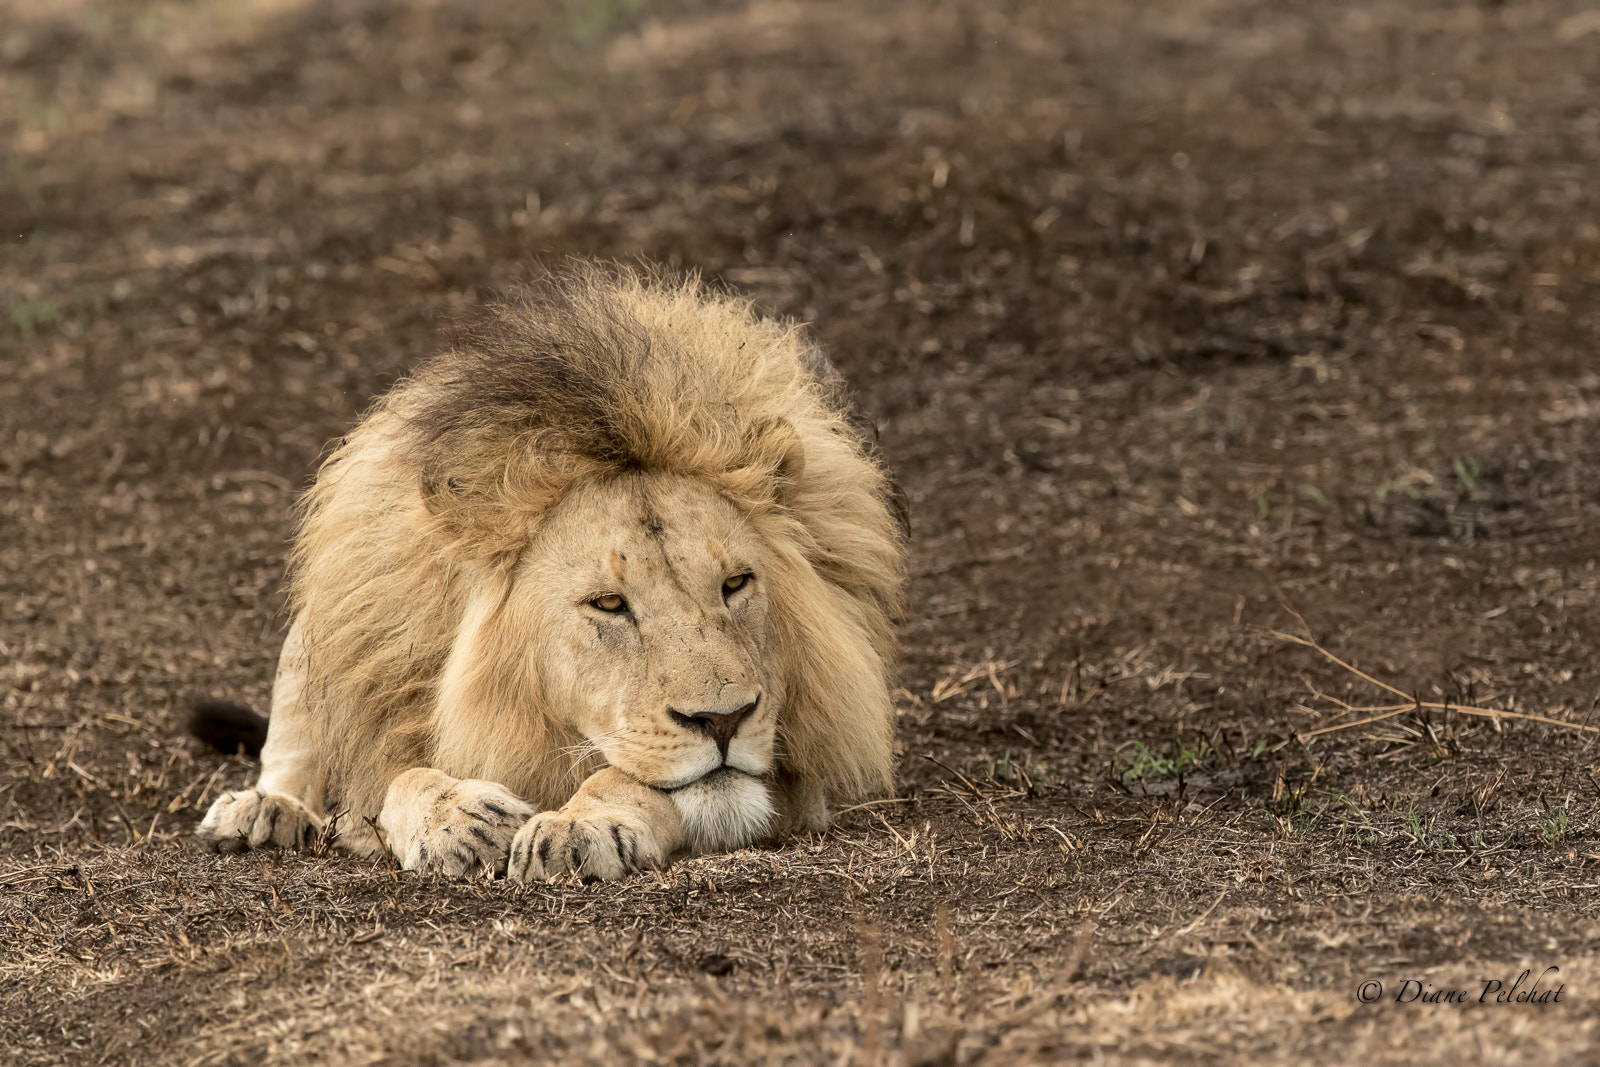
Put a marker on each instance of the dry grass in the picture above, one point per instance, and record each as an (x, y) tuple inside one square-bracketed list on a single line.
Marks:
[(1410, 704), (424, 971)]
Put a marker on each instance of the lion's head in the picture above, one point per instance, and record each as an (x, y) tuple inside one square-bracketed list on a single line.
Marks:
[(650, 598), (638, 619), (622, 522)]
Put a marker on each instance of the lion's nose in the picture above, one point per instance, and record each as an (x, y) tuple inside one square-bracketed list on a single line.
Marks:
[(720, 726)]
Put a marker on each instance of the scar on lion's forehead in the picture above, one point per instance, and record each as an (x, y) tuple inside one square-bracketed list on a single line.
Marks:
[(619, 565)]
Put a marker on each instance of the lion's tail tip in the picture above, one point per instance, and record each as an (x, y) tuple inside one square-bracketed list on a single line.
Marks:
[(228, 727)]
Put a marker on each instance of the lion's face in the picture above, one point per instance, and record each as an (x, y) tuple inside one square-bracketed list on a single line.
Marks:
[(651, 599)]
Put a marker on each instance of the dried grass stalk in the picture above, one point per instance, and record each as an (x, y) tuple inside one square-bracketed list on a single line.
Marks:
[(1411, 702)]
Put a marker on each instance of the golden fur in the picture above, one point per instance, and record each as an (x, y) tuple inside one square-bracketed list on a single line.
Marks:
[(594, 392)]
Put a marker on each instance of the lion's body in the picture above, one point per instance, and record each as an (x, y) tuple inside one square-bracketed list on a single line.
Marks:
[(604, 441)]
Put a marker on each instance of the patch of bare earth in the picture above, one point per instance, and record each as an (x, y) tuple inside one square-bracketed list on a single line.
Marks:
[(1177, 317)]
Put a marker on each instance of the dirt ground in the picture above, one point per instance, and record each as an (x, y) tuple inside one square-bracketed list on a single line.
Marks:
[(1179, 318)]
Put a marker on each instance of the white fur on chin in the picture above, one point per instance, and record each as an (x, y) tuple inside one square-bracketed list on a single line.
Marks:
[(726, 809)]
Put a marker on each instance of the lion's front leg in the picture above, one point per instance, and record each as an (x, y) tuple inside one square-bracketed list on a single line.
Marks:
[(284, 808), (457, 826), (613, 826)]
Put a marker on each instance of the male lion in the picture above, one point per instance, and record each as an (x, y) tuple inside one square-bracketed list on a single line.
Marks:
[(609, 582)]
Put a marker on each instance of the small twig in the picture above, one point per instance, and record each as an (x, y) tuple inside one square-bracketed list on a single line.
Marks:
[(1308, 643), (903, 842), (35, 874), (1192, 927), (964, 779), (323, 837), (383, 843), (1412, 703), (873, 804), (1389, 711), (207, 790)]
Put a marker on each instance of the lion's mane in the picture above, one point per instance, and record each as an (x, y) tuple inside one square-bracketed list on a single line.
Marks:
[(590, 372)]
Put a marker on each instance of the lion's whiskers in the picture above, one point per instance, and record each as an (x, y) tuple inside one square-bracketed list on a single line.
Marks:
[(578, 753)]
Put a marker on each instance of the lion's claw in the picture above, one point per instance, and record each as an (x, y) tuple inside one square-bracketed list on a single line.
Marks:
[(602, 846), (464, 827)]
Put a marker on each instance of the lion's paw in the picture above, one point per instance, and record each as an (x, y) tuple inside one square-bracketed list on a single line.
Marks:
[(596, 845), (461, 828), (251, 818)]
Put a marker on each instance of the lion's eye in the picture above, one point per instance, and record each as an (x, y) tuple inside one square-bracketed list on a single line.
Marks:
[(611, 603), (734, 584)]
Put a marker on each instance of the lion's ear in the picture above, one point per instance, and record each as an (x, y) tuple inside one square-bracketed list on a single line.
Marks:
[(778, 449), (441, 493)]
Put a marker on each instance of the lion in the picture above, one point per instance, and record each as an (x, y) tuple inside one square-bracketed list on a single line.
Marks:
[(610, 581)]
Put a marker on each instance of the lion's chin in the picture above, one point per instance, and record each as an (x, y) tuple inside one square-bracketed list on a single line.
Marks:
[(723, 810)]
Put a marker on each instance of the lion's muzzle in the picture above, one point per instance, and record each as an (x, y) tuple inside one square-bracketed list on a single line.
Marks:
[(720, 726), (723, 810)]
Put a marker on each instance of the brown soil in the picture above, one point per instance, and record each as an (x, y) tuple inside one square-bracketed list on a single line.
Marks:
[(1177, 316)]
